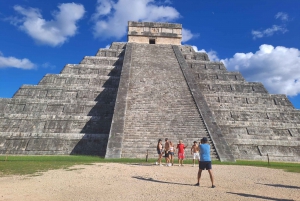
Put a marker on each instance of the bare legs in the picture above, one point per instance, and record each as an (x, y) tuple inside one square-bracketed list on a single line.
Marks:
[(193, 162), (171, 159), (159, 159), (199, 175), (167, 159), (180, 162), (211, 177)]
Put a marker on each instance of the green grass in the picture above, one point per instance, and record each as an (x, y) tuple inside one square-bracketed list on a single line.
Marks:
[(289, 167), (34, 165), (23, 165)]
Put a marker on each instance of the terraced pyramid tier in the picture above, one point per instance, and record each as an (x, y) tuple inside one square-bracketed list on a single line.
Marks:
[(67, 113)]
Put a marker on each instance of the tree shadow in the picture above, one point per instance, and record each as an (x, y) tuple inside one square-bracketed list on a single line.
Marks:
[(281, 186), (158, 181), (96, 130), (258, 196)]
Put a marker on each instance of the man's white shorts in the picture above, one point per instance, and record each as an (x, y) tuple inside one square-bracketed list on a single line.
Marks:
[(196, 156)]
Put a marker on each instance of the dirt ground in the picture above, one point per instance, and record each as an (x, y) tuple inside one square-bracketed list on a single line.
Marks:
[(112, 181)]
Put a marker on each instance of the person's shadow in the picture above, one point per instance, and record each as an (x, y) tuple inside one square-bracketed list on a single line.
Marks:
[(258, 196), (158, 181), (281, 186)]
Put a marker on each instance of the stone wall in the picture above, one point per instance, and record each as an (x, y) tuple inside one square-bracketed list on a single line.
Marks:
[(67, 113), (253, 122)]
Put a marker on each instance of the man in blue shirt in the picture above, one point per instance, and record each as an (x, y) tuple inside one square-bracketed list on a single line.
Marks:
[(205, 161)]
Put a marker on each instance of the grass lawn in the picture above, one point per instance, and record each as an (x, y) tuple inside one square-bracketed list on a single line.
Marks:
[(24, 165)]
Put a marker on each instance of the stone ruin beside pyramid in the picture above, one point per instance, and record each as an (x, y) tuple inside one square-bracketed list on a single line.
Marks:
[(118, 103)]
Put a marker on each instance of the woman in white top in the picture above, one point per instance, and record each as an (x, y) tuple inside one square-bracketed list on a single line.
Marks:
[(172, 150)]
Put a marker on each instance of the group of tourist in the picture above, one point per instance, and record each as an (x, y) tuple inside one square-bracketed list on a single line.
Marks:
[(203, 157), (169, 151)]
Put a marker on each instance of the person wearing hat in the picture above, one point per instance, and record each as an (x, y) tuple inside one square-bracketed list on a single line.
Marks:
[(205, 161), (195, 152)]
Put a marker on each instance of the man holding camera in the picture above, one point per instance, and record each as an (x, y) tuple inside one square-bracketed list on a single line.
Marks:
[(205, 161)]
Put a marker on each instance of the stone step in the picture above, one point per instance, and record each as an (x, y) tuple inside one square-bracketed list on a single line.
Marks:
[(50, 117), (102, 61), (110, 53), (198, 65), (81, 80), (254, 99), (159, 133), (53, 143), (259, 142), (263, 131), (259, 123), (187, 49), (215, 82), (218, 76), (39, 106), (101, 94), (249, 87), (118, 45), (259, 151), (85, 69), (24, 135), (199, 56), (293, 116), (261, 136), (250, 107), (55, 123), (254, 108), (245, 95)]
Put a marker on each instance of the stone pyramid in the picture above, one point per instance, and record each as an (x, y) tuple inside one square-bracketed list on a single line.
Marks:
[(118, 103)]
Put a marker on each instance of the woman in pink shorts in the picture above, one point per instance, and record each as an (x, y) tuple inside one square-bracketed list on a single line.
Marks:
[(180, 148)]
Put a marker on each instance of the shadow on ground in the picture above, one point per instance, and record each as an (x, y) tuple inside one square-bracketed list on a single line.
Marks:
[(281, 186), (258, 196), (158, 181)]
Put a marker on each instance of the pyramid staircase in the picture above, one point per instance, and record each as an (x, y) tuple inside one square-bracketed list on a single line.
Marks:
[(156, 104)]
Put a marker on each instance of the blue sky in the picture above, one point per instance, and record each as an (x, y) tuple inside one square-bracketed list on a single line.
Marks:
[(259, 38)]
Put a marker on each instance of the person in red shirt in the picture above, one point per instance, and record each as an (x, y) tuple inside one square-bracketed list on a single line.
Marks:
[(180, 148)]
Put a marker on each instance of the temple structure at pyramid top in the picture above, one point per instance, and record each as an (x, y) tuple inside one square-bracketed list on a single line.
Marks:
[(154, 33)]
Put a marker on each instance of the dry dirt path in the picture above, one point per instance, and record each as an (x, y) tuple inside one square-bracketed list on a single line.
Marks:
[(111, 181)]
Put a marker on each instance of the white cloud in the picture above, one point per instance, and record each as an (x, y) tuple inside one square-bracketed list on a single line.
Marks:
[(104, 7), (167, 2), (48, 65), (282, 16), (54, 32), (212, 55), (8, 62), (268, 32), (278, 68), (187, 35), (111, 18)]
